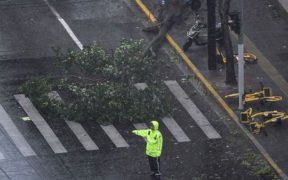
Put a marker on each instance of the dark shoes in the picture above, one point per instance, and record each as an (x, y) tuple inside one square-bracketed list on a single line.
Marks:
[(155, 174)]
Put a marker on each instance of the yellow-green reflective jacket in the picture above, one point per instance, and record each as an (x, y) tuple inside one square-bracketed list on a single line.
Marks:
[(154, 141)]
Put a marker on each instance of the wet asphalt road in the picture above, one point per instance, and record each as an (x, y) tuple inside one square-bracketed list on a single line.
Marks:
[(28, 32)]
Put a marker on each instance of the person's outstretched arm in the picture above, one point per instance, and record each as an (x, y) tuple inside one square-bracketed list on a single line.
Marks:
[(142, 133)]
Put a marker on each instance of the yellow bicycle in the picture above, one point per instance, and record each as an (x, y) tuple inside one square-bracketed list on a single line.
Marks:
[(257, 121), (248, 57), (265, 95)]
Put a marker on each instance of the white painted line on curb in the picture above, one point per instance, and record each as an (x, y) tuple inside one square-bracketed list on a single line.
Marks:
[(169, 122), (65, 25), (15, 135), (77, 128), (175, 129), (114, 135), (41, 124), (192, 109)]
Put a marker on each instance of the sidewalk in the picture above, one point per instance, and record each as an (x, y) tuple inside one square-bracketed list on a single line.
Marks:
[(274, 144)]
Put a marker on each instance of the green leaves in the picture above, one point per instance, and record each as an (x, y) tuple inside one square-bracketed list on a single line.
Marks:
[(99, 86), (88, 61), (114, 102)]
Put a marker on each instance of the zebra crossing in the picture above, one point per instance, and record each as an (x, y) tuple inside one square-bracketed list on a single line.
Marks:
[(82, 135), (110, 130), (41, 124), (77, 128), (168, 121), (15, 134), (192, 109)]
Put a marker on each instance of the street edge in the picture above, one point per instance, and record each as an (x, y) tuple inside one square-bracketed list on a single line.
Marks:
[(210, 88)]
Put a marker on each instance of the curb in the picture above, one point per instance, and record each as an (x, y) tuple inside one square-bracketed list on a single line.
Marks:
[(210, 88)]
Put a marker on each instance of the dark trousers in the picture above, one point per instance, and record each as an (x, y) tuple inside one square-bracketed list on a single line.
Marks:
[(154, 163)]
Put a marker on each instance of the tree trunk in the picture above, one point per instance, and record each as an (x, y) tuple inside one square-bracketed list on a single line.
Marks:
[(174, 14), (224, 6)]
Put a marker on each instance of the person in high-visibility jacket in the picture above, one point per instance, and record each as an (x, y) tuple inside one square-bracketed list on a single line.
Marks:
[(154, 145)]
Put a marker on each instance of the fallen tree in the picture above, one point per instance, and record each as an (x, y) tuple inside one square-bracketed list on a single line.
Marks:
[(98, 85), (175, 13)]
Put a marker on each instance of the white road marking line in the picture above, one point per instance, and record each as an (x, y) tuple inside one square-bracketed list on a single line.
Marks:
[(169, 122), (77, 128), (192, 109), (110, 130), (140, 126), (65, 25), (114, 135), (175, 129), (15, 134), (41, 124), (284, 4), (82, 136)]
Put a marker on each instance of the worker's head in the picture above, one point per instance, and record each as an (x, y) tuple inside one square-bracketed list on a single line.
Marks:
[(154, 125)]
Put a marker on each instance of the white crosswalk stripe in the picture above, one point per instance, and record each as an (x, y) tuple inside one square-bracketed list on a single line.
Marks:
[(114, 135), (82, 135), (192, 109), (41, 124), (15, 135), (140, 126), (175, 129), (169, 122), (110, 130), (77, 128)]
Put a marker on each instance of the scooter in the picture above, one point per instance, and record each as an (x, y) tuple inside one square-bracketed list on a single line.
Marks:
[(198, 33)]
